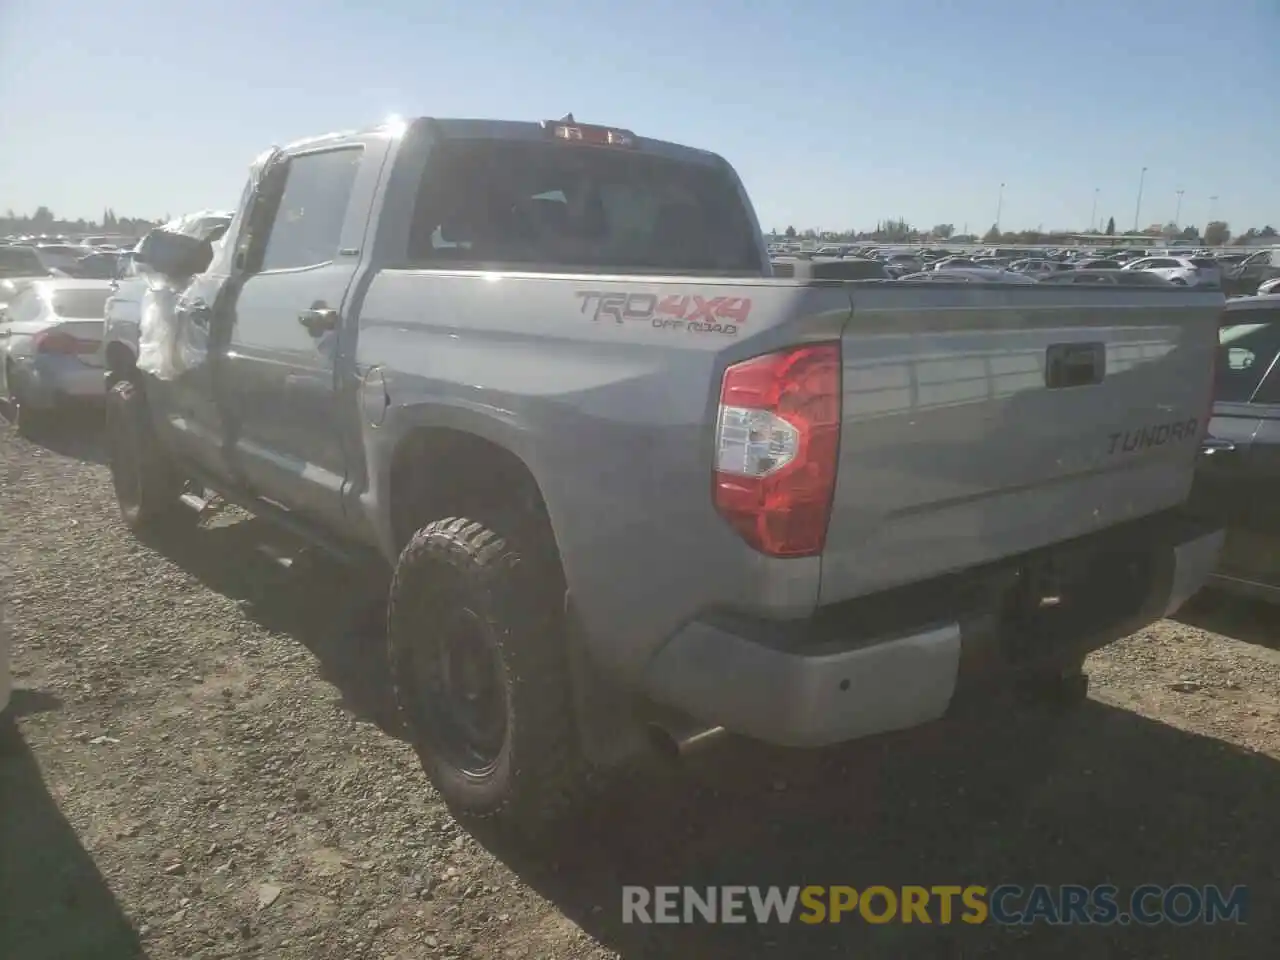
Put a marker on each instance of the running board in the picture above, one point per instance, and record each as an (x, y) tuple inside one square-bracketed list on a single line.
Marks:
[(351, 554)]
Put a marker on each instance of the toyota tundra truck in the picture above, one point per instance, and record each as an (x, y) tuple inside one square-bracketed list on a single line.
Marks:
[(629, 487)]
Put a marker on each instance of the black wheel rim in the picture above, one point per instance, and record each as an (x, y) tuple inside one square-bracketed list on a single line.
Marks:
[(126, 475), (456, 683)]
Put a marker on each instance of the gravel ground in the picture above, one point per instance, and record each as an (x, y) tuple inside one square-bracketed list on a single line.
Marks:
[(203, 765)]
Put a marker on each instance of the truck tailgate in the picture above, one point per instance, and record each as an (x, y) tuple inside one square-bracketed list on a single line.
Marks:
[(979, 423)]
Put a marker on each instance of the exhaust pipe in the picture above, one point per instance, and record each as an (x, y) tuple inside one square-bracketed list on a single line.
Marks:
[(676, 745)]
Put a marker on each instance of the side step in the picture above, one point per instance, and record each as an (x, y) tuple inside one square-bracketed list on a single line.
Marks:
[(354, 555)]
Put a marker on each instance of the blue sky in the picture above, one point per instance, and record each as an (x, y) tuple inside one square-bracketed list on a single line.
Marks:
[(836, 114)]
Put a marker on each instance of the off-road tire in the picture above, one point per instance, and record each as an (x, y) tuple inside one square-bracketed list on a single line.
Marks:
[(509, 578), (147, 486)]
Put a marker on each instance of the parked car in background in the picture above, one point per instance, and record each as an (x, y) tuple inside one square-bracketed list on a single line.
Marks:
[(1254, 270), (60, 256), (968, 275), (1238, 479), (953, 263), (21, 261), (1270, 288), (97, 266), (1111, 278), (846, 268), (1183, 271), (904, 263), (50, 345)]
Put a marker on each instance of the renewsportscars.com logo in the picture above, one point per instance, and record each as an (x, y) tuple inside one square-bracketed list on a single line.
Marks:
[(1005, 904)]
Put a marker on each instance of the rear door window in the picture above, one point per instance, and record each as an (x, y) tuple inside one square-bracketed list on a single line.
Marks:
[(1246, 352), (555, 206)]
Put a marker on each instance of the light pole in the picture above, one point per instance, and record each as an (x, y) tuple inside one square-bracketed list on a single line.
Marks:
[(1177, 212), (1137, 209), (1212, 203), (999, 207), (1093, 214)]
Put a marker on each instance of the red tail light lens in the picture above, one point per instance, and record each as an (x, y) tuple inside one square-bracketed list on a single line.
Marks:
[(777, 441), (61, 342)]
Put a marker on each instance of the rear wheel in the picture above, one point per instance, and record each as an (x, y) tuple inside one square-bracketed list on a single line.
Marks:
[(147, 486), (480, 670)]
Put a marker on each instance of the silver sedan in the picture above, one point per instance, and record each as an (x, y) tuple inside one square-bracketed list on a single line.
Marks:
[(50, 335)]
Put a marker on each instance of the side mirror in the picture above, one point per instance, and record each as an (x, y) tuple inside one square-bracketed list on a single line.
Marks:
[(173, 255)]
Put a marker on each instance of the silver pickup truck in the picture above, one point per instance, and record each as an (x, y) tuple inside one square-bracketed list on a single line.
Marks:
[(633, 488)]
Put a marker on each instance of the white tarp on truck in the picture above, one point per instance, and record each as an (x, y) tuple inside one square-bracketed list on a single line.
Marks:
[(168, 342)]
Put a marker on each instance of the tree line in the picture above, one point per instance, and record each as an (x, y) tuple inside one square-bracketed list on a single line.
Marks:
[(1217, 233), (43, 222)]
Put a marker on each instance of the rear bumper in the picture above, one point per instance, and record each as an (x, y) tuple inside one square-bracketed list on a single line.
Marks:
[(48, 381), (772, 691)]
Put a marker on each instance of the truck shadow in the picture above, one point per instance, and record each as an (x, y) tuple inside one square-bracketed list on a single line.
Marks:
[(77, 433), (53, 902), (332, 610), (1100, 796), (1240, 618)]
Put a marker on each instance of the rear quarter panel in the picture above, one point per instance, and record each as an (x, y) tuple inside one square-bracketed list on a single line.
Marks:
[(611, 404)]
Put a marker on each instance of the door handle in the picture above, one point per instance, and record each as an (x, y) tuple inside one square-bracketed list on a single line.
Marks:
[(319, 320), (198, 312)]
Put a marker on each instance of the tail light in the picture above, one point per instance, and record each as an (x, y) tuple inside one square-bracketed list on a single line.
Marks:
[(61, 342), (777, 440)]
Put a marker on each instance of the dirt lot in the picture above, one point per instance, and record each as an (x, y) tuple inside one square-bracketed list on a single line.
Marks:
[(203, 766)]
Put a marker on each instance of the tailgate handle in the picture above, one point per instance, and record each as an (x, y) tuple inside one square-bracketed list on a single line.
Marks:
[(1074, 364)]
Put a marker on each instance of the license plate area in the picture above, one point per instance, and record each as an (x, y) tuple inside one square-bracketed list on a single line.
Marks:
[(1061, 596)]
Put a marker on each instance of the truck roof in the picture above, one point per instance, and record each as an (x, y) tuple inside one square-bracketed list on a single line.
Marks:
[(462, 128)]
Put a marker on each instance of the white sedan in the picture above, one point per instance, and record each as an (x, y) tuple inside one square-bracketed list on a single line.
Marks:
[(1184, 271), (50, 347)]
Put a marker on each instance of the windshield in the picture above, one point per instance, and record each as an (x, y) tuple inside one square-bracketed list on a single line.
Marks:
[(488, 202), (80, 304), (1245, 353)]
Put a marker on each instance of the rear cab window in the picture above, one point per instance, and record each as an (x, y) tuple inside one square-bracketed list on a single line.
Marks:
[(562, 207), (1246, 351)]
